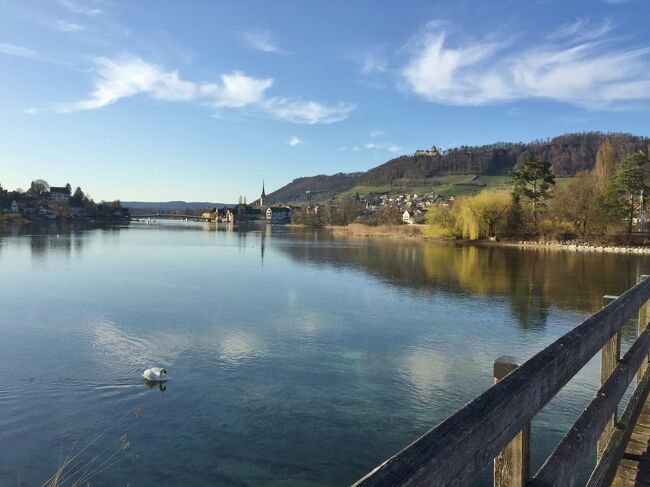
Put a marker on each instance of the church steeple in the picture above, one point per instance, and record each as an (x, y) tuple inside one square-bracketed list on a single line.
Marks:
[(263, 195)]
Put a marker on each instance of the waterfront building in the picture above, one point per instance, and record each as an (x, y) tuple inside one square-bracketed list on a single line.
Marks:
[(278, 214)]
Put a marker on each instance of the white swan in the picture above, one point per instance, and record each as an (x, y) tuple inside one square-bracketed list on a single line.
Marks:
[(155, 374)]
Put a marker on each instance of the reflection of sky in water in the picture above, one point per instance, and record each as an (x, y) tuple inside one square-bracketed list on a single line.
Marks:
[(301, 361)]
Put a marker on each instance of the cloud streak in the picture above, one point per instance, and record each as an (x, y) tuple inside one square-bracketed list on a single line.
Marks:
[(294, 141), (577, 64), (65, 26), (80, 9), (18, 51), (125, 77), (261, 41)]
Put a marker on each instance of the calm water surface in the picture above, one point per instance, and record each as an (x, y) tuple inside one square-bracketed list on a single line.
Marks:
[(295, 358)]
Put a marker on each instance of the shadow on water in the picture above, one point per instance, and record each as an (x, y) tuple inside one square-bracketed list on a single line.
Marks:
[(162, 386)]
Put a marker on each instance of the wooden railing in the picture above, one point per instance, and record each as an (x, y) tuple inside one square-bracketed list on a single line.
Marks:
[(494, 428)]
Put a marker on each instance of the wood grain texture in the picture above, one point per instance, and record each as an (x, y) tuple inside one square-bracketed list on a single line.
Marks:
[(636, 410), (564, 465), (511, 467), (609, 356)]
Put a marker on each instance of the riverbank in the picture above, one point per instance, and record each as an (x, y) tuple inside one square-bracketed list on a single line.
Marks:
[(420, 232), (574, 246), (361, 230)]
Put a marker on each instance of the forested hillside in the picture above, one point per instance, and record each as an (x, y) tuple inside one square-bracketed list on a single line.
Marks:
[(568, 154)]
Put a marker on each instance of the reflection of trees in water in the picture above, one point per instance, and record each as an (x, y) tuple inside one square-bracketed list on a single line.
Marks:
[(57, 238), (532, 280)]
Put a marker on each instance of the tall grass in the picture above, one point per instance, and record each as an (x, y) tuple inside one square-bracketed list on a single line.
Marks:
[(75, 470)]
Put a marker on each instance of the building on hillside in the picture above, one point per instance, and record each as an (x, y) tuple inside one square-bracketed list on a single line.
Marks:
[(412, 216), (13, 208), (431, 153), (77, 211), (278, 214), (59, 193)]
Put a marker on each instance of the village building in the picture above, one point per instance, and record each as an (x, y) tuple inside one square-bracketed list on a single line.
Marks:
[(14, 207), (412, 216), (278, 214), (59, 193)]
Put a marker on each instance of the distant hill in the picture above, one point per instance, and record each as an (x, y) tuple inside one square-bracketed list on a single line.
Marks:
[(322, 188), (171, 205), (568, 154)]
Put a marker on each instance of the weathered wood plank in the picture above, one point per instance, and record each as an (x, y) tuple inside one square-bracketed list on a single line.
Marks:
[(644, 317), (564, 464), (512, 464), (465, 443), (609, 356), (606, 468)]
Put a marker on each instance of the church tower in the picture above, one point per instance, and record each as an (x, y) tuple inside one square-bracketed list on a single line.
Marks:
[(263, 196)]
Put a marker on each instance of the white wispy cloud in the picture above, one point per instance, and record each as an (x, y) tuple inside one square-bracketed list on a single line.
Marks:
[(307, 112), (294, 141), (382, 146), (65, 26), (373, 62), (376, 133), (19, 51), (125, 77), (80, 9), (260, 40), (26, 53), (578, 64), (237, 90)]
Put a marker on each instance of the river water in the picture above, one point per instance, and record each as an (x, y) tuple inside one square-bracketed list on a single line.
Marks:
[(295, 358)]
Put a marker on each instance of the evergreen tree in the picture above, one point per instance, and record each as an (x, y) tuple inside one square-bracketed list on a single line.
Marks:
[(532, 182), (629, 184), (77, 198)]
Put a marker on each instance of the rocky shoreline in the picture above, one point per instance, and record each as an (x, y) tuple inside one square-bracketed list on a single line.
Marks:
[(575, 246)]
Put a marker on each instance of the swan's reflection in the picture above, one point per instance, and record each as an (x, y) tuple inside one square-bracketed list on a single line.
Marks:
[(160, 385)]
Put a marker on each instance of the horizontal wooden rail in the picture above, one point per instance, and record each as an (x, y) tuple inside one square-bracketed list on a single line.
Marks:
[(457, 449), (605, 470), (563, 466)]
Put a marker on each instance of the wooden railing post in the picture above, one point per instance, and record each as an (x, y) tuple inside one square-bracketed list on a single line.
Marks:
[(609, 357), (512, 465), (644, 317)]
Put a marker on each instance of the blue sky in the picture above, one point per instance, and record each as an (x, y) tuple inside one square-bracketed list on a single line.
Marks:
[(200, 100)]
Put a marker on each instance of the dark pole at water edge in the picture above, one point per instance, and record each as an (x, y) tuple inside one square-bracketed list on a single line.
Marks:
[(512, 465)]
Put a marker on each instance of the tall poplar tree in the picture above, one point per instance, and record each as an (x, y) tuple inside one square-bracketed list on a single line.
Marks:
[(605, 163)]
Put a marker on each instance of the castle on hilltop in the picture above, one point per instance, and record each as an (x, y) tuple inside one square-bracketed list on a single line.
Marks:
[(433, 152)]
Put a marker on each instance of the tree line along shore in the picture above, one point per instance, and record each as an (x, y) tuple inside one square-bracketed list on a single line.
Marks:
[(600, 210)]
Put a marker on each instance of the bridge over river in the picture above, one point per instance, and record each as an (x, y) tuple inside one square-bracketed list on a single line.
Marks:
[(494, 429)]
